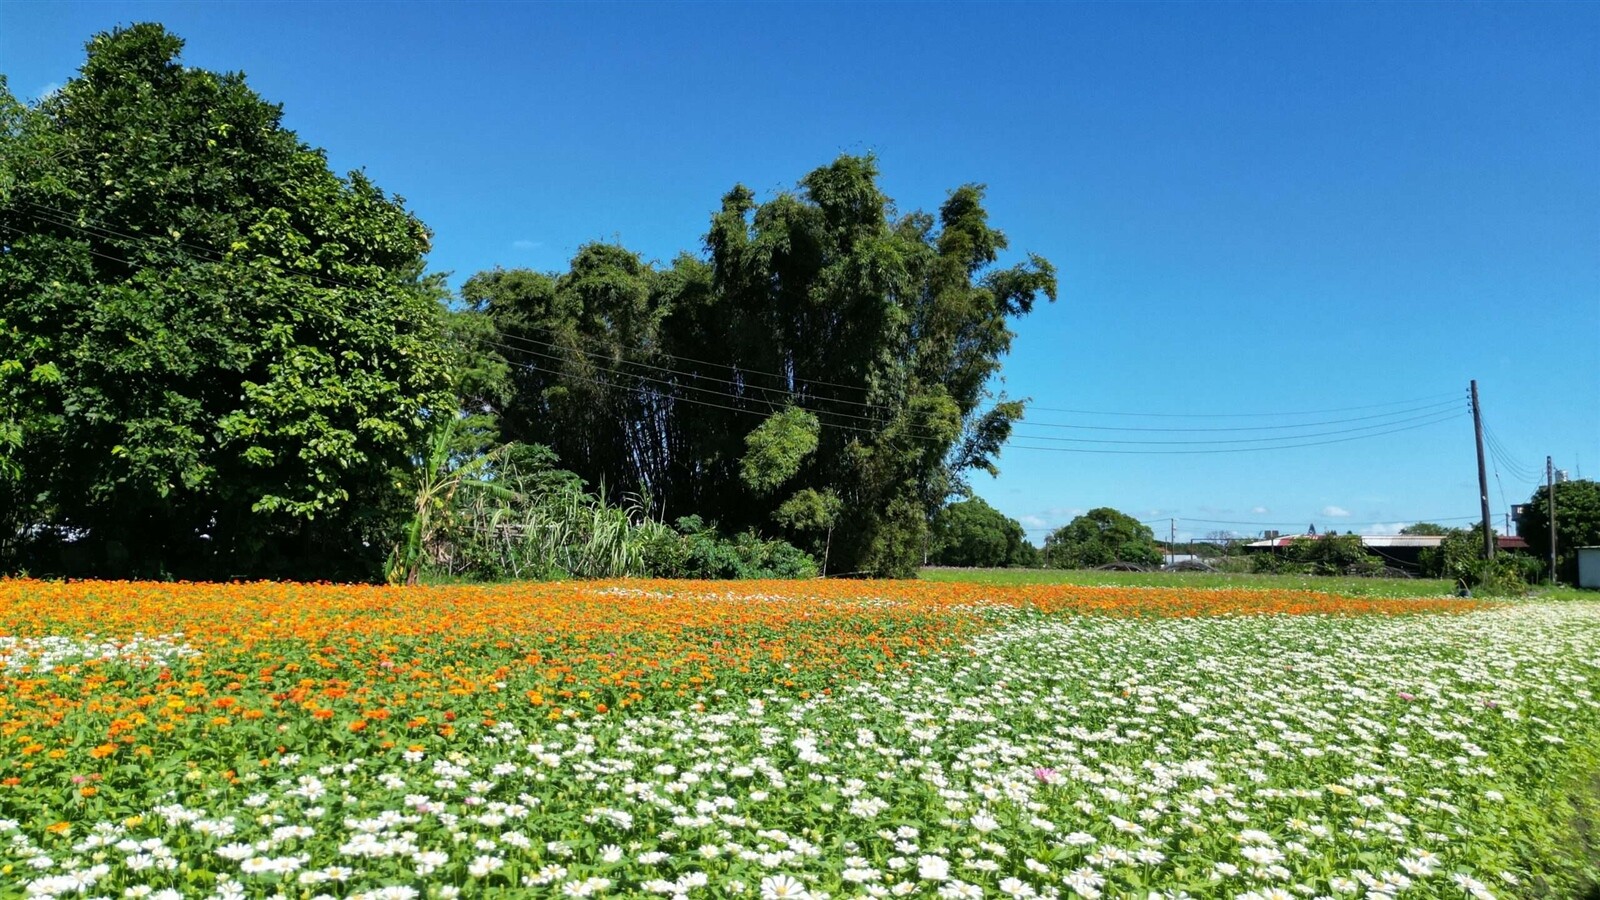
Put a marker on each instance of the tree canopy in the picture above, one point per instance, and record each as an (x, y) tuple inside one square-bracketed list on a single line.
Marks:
[(973, 533), (1577, 524), (215, 354), (1098, 537), (824, 351)]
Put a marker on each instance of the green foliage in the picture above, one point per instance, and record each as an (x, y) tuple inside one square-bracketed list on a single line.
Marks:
[(1329, 554), (1459, 557), (812, 513), (1577, 524), (1336, 554), (1426, 528), (973, 533), (512, 514), (822, 303), (215, 354), (810, 510), (695, 550), (522, 518), (437, 479), (1098, 537), (776, 448), (1507, 575), (1455, 556)]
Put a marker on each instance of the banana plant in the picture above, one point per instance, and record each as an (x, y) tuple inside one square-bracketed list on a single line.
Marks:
[(438, 477)]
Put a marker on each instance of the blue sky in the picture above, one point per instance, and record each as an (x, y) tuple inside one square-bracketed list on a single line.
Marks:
[(1256, 209)]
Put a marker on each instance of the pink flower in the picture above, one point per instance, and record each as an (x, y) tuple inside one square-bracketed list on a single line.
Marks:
[(1406, 696)]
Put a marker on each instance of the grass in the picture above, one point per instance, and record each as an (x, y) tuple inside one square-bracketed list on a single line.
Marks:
[(1350, 587), (1347, 586), (1563, 592)]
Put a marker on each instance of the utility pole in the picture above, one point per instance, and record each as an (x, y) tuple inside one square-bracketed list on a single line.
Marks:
[(1483, 475), (1172, 541), (1550, 495)]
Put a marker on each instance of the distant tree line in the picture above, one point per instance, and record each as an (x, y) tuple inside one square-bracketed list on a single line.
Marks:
[(973, 533)]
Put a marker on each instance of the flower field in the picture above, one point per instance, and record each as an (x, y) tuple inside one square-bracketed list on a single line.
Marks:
[(789, 739)]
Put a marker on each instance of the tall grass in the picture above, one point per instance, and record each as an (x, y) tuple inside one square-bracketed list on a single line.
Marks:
[(560, 534)]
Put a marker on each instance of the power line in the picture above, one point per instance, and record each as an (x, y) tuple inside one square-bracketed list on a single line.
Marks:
[(1021, 446), (1269, 441), (61, 219), (127, 262), (1433, 416), (673, 384), (644, 365), (547, 346), (681, 399), (1373, 522), (820, 412), (108, 233), (1438, 405), (1314, 412), (1240, 449), (1497, 447), (64, 220), (1278, 524)]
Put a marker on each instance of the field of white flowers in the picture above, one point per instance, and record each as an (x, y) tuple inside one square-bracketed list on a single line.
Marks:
[(1232, 757)]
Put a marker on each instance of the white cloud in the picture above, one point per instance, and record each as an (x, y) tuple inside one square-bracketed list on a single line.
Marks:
[(46, 91), (1054, 517), (1383, 528), (1335, 512), (1260, 510), (527, 244)]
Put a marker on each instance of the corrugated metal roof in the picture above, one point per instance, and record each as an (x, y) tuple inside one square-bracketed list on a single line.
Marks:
[(1402, 540)]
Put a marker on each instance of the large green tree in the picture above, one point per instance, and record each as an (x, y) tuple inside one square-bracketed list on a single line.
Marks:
[(1577, 524), (215, 354), (972, 533), (1098, 537), (683, 382)]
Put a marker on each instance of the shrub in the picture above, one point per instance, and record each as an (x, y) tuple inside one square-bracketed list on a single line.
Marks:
[(694, 549), (1459, 558), (1331, 554)]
